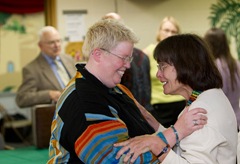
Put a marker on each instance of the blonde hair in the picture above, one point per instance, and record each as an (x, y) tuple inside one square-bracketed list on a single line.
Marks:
[(107, 34), (167, 19), (112, 15)]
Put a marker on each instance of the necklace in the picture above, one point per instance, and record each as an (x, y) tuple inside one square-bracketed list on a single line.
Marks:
[(193, 97)]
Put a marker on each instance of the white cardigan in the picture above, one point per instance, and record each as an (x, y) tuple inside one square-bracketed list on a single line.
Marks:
[(216, 142)]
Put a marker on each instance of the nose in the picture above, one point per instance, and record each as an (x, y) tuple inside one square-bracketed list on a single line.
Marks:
[(127, 65), (170, 34), (159, 74), (57, 43)]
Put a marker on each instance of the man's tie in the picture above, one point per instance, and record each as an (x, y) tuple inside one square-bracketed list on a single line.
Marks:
[(62, 72)]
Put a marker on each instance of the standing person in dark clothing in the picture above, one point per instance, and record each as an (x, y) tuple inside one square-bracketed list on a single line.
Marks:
[(137, 78)]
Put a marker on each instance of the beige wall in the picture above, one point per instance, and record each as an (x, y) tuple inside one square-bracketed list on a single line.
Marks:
[(18, 48), (143, 16)]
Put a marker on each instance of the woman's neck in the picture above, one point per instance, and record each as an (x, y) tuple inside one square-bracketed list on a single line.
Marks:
[(186, 92), (193, 97)]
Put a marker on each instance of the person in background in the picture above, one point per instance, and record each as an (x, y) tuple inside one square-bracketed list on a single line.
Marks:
[(198, 80), (166, 108), (137, 77), (43, 80), (95, 111), (227, 66)]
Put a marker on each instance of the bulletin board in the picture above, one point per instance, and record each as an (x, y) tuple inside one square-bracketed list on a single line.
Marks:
[(75, 33)]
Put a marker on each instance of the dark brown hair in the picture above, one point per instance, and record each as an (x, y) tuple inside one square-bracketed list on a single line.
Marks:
[(190, 56), (217, 41)]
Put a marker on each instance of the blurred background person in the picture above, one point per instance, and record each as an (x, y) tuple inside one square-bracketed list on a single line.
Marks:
[(47, 75), (137, 78), (166, 108), (227, 66)]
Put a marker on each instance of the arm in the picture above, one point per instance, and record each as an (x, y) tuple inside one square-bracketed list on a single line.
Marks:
[(224, 74), (28, 93), (150, 119), (184, 125), (153, 143), (96, 143)]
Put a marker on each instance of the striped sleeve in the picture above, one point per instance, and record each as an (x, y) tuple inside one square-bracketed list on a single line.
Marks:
[(95, 145)]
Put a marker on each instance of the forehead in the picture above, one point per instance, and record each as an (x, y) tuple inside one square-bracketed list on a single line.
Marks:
[(124, 47), (169, 25), (50, 35)]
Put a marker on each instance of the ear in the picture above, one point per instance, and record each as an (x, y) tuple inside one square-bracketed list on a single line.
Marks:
[(39, 44), (97, 54), (174, 70)]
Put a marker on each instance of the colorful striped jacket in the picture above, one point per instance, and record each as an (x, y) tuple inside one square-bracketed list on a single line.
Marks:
[(90, 118)]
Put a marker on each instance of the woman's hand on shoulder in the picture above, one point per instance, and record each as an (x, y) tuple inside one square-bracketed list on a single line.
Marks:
[(190, 121)]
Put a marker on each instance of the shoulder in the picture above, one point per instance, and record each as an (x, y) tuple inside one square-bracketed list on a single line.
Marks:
[(205, 99), (139, 57), (35, 62), (66, 57), (238, 63), (149, 49), (138, 51), (126, 91)]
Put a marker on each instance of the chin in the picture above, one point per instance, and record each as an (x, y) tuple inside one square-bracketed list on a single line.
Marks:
[(167, 93), (119, 80)]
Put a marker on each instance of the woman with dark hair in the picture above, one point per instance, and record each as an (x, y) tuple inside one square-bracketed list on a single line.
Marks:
[(185, 67), (227, 66)]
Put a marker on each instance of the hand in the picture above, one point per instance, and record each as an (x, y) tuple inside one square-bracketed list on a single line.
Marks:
[(139, 145), (54, 95), (190, 121)]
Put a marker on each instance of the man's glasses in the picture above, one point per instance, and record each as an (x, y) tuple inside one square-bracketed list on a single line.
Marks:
[(53, 42), (161, 66), (124, 59)]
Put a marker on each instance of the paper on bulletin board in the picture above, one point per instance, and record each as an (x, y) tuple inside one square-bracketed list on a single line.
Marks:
[(75, 26)]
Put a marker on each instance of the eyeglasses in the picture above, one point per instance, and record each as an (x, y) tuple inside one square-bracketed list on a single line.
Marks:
[(53, 42), (124, 59), (173, 32), (161, 66)]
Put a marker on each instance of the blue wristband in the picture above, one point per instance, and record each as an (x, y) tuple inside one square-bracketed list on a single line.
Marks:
[(176, 134), (164, 150), (160, 135)]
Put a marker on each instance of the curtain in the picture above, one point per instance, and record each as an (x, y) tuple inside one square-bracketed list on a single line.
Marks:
[(21, 6), (50, 13)]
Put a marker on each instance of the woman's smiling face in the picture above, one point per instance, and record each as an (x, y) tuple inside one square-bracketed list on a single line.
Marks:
[(115, 63), (167, 74)]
